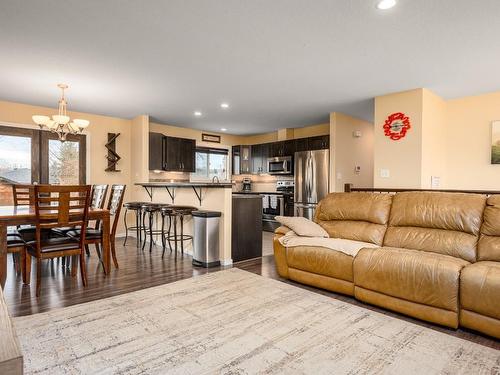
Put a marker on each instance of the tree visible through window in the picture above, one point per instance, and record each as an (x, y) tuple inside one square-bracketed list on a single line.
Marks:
[(63, 162), (211, 162)]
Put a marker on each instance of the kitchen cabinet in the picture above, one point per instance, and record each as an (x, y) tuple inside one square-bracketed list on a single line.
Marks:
[(260, 153), (171, 153), (321, 142), (242, 159), (155, 151), (253, 159), (246, 227)]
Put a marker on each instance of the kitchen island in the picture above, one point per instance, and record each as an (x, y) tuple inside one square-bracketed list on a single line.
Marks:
[(204, 196)]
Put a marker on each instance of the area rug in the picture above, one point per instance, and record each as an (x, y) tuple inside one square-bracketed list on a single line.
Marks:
[(235, 322)]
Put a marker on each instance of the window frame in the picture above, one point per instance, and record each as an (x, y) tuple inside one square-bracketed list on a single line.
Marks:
[(40, 151), (209, 151), (34, 135), (45, 137)]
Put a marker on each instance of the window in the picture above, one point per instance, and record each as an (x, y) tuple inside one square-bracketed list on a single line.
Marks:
[(211, 162), (29, 155), (63, 162)]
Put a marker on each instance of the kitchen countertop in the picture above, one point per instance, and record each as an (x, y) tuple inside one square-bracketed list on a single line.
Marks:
[(263, 192), (185, 184)]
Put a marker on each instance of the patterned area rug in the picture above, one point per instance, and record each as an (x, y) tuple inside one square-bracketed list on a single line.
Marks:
[(235, 322)]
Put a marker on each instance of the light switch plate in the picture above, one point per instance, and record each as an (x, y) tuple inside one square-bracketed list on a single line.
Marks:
[(435, 182), (385, 173)]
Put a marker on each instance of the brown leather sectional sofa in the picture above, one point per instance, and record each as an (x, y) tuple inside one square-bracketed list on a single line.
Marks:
[(438, 260)]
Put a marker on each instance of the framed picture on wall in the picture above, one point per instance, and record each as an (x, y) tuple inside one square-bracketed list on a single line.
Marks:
[(495, 142)]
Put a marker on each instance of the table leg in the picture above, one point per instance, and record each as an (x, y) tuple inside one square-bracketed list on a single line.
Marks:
[(106, 249), (3, 255)]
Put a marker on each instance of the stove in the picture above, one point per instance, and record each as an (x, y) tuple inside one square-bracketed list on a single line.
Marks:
[(279, 203)]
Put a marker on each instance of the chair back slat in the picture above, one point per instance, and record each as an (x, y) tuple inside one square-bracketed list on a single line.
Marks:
[(23, 194), (61, 206), (115, 203), (99, 193)]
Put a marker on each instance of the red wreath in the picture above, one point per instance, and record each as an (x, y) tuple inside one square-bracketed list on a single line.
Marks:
[(396, 126)]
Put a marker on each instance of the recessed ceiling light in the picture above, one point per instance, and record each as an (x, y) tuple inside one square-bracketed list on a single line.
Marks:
[(386, 4), (197, 113), (224, 105), (223, 129)]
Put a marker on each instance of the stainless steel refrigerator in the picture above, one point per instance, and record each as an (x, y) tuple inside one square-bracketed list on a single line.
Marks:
[(311, 172)]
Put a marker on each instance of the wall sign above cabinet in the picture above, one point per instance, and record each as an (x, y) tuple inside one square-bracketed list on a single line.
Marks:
[(396, 126), (210, 138)]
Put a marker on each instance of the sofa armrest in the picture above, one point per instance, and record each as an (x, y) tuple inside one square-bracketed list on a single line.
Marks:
[(280, 256)]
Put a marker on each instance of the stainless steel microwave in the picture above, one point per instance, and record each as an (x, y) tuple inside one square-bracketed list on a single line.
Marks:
[(280, 165)]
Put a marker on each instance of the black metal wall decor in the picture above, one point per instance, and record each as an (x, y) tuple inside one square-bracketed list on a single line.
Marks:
[(112, 156)]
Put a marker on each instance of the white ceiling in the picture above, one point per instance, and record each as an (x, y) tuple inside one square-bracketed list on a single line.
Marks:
[(278, 63)]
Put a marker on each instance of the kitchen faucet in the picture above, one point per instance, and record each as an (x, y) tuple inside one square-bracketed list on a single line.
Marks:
[(214, 179)]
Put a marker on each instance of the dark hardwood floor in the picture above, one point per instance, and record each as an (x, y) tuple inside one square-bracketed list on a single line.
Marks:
[(140, 270)]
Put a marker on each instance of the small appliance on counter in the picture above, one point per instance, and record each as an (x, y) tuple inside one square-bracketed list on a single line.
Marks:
[(247, 184)]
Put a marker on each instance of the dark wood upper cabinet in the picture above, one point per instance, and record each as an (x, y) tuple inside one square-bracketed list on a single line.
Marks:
[(242, 159), (321, 142), (289, 148), (171, 153), (276, 149), (187, 155), (155, 151), (257, 159)]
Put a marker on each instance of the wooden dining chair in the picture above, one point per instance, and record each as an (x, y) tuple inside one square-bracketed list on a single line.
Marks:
[(22, 195), (97, 199), (55, 207), (95, 236)]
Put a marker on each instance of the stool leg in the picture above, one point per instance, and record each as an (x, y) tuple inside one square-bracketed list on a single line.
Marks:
[(162, 234), (151, 217), (175, 234), (182, 234), (169, 229), (126, 227), (137, 227), (143, 226)]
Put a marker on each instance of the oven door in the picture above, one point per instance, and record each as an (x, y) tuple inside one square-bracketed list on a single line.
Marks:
[(272, 205), (279, 165)]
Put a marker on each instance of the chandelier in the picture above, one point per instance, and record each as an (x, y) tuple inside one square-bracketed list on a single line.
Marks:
[(61, 124)]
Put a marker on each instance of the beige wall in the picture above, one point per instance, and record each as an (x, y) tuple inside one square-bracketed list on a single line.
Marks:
[(348, 151), (448, 139), (434, 123), (19, 115), (403, 158), (468, 142)]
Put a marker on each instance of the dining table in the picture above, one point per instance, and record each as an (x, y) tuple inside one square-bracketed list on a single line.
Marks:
[(25, 215)]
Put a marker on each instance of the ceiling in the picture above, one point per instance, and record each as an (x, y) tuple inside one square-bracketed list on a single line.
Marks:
[(278, 63)]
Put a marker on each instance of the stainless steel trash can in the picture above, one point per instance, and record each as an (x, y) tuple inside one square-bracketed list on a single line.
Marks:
[(206, 238)]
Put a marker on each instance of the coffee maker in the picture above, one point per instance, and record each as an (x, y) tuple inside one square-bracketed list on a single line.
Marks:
[(247, 184)]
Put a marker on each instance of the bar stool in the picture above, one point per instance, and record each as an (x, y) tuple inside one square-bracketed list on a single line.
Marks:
[(137, 208), (180, 212), (150, 209)]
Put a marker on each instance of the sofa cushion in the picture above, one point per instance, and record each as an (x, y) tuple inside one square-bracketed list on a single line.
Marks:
[(320, 260), (480, 288), (444, 223), (426, 278), (302, 226), (489, 243), (355, 216)]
